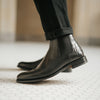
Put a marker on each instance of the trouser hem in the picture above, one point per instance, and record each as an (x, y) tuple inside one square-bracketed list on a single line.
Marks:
[(58, 33)]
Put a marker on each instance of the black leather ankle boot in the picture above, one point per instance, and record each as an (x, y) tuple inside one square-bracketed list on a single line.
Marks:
[(32, 65), (64, 52), (29, 65)]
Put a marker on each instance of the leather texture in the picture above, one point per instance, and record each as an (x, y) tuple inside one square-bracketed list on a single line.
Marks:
[(33, 65), (62, 51), (29, 65)]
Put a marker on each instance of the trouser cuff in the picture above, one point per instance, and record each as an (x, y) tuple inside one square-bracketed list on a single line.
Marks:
[(58, 33)]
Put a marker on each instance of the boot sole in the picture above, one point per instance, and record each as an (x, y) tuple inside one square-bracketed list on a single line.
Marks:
[(26, 69), (72, 64), (77, 63)]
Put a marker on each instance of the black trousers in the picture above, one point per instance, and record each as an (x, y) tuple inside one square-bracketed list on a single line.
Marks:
[(54, 18)]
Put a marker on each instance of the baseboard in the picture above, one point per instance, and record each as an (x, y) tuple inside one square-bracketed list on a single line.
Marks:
[(89, 41), (7, 37)]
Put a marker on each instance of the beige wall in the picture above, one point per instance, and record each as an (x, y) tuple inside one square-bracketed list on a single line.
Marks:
[(0, 16), (28, 22), (7, 20), (87, 21), (84, 16)]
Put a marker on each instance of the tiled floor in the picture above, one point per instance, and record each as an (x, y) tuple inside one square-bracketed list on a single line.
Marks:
[(82, 84)]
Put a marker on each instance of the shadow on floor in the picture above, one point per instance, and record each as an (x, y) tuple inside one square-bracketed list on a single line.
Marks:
[(46, 82), (10, 69), (52, 82), (5, 80)]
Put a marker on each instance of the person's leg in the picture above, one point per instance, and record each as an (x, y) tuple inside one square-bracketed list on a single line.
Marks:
[(54, 18), (55, 23), (64, 52)]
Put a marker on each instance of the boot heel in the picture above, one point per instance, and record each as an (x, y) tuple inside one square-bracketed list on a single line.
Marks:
[(79, 62), (68, 69), (76, 63)]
